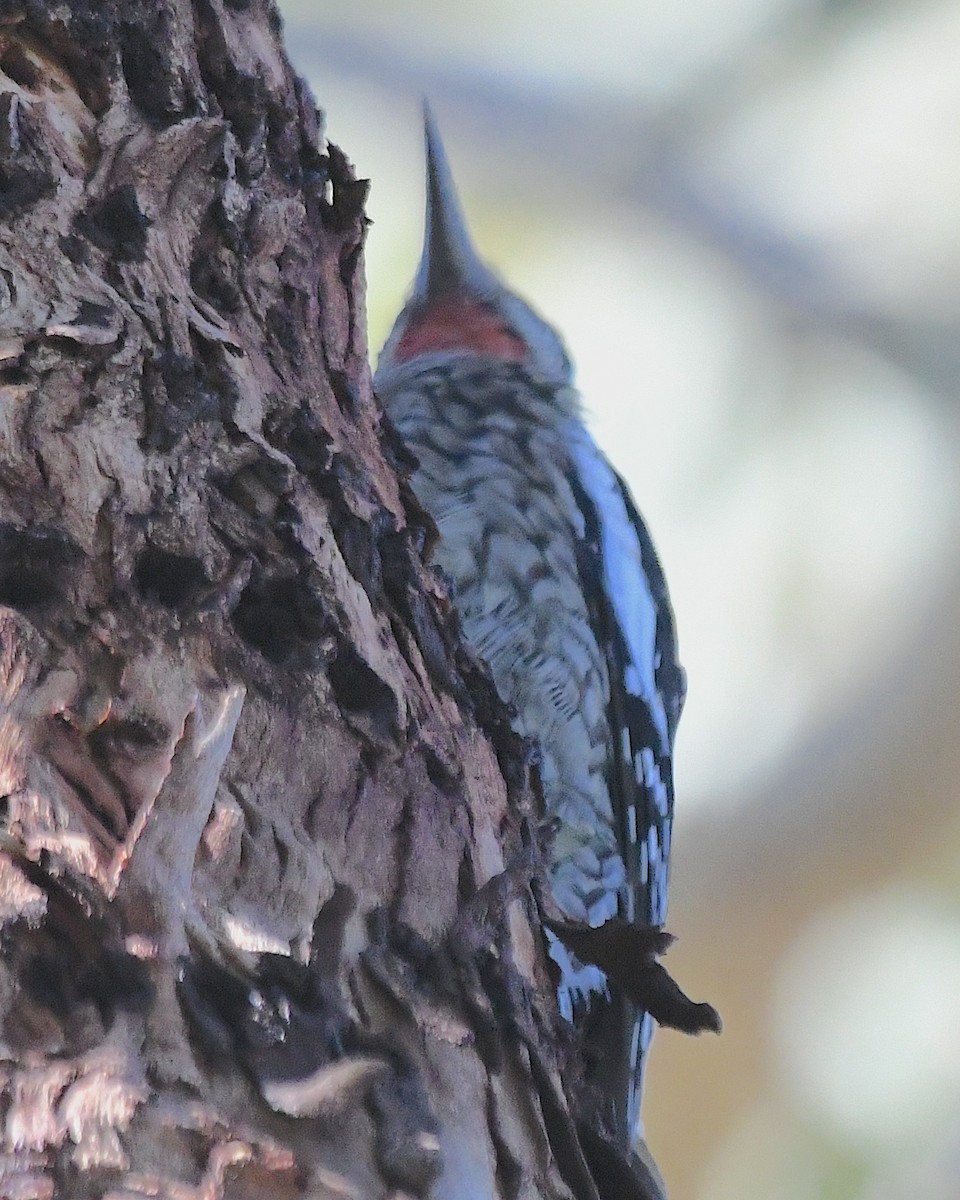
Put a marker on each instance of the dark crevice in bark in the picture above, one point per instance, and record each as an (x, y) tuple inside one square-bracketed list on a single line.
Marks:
[(173, 580), (35, 565), (117, 224), (509, 1169)]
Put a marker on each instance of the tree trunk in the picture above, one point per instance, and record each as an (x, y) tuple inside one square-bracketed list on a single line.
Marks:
[(264, 881)]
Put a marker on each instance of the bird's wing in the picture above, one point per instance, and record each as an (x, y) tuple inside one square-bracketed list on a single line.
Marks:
[(633, 620), (634, 624)]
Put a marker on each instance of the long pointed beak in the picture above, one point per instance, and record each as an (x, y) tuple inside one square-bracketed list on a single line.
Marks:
[(449, 262)]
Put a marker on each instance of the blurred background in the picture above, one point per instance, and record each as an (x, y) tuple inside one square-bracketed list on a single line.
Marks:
[(745, 217)]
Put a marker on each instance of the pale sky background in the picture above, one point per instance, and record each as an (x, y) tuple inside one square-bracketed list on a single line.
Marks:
[(745, 218)]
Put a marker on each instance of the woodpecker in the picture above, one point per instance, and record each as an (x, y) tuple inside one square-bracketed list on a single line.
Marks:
[(560, 591)]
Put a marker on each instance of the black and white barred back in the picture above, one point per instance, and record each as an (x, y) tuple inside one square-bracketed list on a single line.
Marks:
[(560, 591)]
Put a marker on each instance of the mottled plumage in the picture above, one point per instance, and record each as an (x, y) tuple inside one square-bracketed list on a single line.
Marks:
[(558, 588)]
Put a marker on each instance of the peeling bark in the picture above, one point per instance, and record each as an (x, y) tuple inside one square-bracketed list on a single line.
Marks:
[(267, 836)]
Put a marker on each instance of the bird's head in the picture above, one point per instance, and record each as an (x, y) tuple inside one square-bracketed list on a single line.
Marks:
[(458, 304)]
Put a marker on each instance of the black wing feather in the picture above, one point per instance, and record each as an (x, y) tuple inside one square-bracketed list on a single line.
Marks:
[(639, 773)]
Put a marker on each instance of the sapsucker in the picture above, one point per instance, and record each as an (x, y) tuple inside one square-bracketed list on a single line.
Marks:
[(558, 588)]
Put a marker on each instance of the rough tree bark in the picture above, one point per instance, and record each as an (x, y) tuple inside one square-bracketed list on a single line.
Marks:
[(267, 928)]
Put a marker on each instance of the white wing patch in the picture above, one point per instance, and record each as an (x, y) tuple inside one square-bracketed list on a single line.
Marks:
[(626, 582), (636, 611)]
